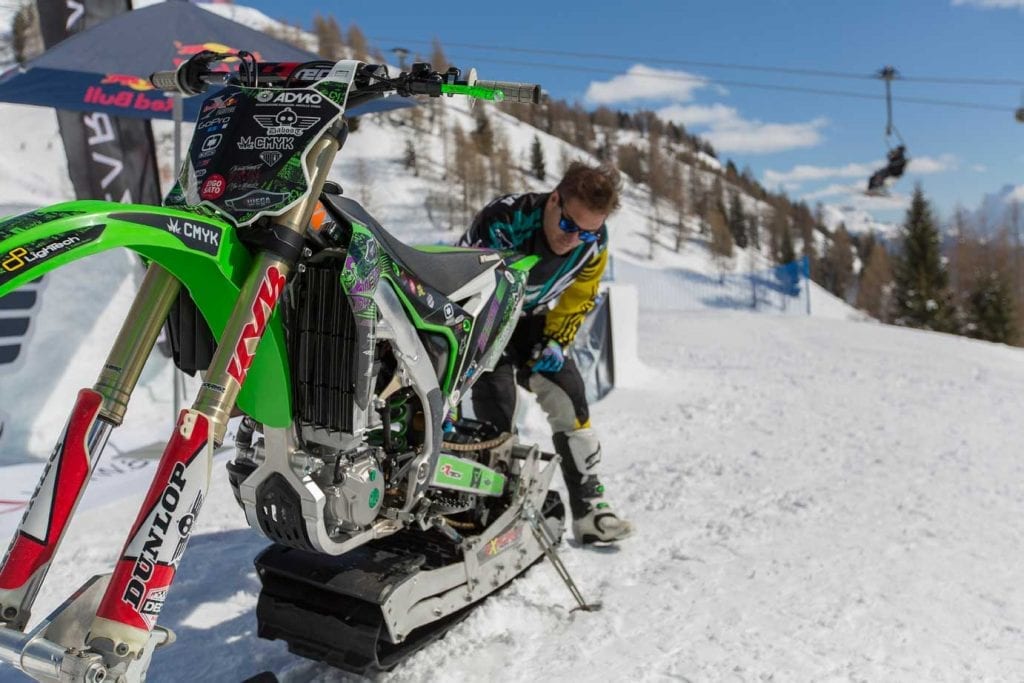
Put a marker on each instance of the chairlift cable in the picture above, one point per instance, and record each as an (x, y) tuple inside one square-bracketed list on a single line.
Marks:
[(743, 84), (794, 71)]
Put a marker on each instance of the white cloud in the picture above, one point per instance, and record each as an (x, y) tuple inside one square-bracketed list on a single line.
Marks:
[(992, 4), (853, 195), (804, 173), (979, 168), (833, 190), (891, 203), (730, 132), (927, 165), (755, 137), (644, 83), (1016, 195), (699, 114)]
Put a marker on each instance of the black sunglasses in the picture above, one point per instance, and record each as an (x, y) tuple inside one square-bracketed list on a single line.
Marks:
[(569, 225)]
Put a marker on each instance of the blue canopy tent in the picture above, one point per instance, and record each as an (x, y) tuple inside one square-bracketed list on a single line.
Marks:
[(106, 68)]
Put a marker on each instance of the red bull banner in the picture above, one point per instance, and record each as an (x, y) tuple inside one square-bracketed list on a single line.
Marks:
[(109, 157)]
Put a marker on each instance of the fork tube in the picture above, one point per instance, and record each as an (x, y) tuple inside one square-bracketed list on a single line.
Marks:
[(256, 302), (135, 341)]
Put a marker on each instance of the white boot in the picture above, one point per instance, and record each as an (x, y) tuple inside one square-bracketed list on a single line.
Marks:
[(594, 521), (601, 525)]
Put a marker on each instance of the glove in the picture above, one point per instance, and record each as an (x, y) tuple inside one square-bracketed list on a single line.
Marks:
[(549, 358)]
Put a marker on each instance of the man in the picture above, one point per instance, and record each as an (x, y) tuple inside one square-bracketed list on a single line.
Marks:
[(895, 165), (566, 229)]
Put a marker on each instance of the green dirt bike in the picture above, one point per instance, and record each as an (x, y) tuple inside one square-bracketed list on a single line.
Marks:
[(346, 352)]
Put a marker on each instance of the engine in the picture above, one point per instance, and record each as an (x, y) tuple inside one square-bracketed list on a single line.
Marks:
[(354, 498)]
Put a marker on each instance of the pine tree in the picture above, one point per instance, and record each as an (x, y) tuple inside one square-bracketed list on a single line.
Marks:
[(838, 263), (778, 225), (874, 295), (787, 253), (680, 196), (357, 43), (737, 220), (328, 37), (922, 296), (991, 309), (409, 158), (483, 134), (721, 238), (537, 160), (631, 162), (438, 59), (26, 40)]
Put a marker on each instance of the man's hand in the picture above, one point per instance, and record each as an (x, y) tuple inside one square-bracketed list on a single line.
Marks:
[(549, 358)]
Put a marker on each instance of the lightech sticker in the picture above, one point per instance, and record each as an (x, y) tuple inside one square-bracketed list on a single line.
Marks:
[(18, 259)]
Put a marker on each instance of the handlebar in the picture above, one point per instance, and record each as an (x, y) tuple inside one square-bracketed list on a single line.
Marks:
[(194, 76), (522, 93)]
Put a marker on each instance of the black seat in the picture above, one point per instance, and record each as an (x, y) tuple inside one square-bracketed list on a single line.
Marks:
[(446, 271)]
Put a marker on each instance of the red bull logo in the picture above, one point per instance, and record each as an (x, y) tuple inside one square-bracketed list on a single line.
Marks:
[(137, 83), (127, 99), (186, 50)]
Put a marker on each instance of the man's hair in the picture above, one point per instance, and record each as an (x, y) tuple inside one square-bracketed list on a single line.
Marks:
[(596, 186)]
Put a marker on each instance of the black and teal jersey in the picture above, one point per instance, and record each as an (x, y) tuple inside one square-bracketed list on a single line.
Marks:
[(515, 222)]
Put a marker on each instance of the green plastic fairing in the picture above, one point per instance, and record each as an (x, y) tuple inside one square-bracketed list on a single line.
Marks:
[(203, 252)]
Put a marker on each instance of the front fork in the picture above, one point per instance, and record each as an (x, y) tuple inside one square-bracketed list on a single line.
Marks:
[(128, 611), (96, 412), (142, 577)]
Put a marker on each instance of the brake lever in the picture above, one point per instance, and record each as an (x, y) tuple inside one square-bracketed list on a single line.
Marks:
[(192, 71)]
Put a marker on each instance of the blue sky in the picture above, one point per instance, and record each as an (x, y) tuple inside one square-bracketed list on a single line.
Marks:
[(816, 146)]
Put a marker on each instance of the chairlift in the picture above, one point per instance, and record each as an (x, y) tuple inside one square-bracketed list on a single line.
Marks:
[(896, 156)]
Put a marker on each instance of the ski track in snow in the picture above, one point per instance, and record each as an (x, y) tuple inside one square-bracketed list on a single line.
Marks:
[(815, 500)]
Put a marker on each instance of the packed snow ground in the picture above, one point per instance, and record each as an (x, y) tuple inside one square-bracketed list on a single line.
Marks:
[(815, 500)]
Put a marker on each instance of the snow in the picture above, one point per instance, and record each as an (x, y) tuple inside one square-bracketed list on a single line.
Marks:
[(815, 499), (857, 221)]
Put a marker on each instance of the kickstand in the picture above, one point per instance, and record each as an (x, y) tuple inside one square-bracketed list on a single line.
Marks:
[(547, 544)]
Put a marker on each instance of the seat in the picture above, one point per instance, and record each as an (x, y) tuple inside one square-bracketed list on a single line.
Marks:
[(445, 269)]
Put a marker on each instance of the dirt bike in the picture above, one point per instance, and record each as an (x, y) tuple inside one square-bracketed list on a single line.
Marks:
[(345, 351)]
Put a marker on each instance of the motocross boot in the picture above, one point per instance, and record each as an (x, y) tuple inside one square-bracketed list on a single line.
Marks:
[(594, 521)]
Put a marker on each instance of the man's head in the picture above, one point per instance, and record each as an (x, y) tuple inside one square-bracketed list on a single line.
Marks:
[(578, 207)]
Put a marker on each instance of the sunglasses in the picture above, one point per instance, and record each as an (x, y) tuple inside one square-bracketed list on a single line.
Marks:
[(569, 225)]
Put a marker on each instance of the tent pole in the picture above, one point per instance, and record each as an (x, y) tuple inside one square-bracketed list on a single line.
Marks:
[(178, 114)]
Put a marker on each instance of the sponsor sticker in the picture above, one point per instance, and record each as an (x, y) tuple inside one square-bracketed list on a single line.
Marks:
[(451, 472), (220, 104), (15, 260), (312, 74), (300, 98), (213, 187), (255, 200), (250, 142), (270, 158), (214, 124), (194, 234), (210, 145), (286, 122)]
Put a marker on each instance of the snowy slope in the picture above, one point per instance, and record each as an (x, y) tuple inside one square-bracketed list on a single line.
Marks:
[(815, 500)]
